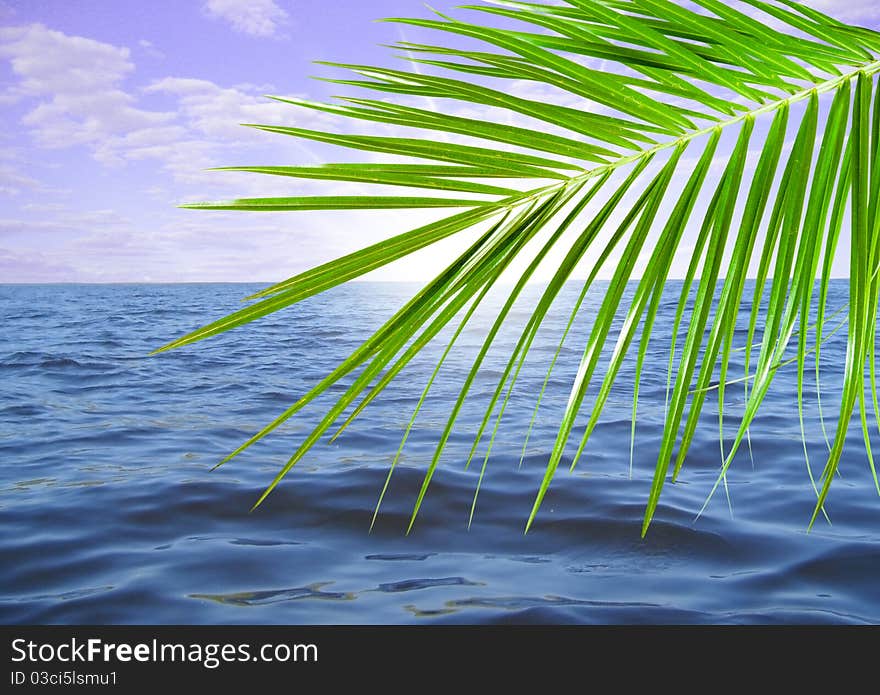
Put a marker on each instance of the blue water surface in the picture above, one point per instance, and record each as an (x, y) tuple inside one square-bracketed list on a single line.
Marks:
[(110, 512)]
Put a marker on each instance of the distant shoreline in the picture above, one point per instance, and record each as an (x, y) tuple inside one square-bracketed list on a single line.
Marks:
[(128, 283)]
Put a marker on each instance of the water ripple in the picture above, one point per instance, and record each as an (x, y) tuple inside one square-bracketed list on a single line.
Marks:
[(111, 512)]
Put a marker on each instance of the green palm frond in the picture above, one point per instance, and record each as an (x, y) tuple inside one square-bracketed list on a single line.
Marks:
[(646, 91)]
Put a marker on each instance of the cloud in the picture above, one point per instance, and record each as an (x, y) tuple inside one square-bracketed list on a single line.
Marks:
[(150, 49), (251, 17), (118, 122), (218, 111), (10, 226), (13, 182), (55, 217), (77, 83), (82, 96), (75, 93), (34, 266), (210, 133)]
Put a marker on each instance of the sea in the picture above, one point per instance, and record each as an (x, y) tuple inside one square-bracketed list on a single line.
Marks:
[(112, 511)]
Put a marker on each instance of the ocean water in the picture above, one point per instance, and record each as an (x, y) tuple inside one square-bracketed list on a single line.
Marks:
[(110, 512)]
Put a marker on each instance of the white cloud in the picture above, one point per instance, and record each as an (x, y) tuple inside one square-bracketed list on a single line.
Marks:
[(34, 266), (77, 83), (83, 95), (252, 17), (13, 182), (148, 48), (75, 92), (30, 227), (55, 217), (217, 111), (97, 218), (52, 61), (210, 117)]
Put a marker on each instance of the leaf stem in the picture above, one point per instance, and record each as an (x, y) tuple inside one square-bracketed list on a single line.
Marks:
[(866, 70)]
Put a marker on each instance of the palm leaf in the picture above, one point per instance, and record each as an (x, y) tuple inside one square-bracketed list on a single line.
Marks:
[(641, 93)]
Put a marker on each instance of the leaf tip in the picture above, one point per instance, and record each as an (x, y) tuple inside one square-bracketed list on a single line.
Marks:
[(165, 348)]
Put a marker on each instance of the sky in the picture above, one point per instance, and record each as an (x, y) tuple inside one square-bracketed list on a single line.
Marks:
[(114, 110)]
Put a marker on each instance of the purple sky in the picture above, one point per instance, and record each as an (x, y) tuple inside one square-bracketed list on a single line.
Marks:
[(113, 109)]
